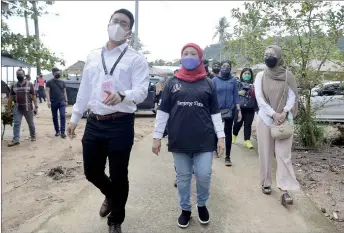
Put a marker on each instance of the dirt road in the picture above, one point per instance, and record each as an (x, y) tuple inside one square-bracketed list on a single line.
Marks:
[(236, 202), (39, 177)]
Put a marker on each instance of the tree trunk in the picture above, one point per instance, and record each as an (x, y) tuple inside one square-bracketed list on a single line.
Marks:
[(220, 51), (309, 124), (35, 19), (27, 29)]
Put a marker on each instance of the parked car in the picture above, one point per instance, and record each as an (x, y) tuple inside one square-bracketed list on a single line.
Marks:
[(149, 103), (328, 101)]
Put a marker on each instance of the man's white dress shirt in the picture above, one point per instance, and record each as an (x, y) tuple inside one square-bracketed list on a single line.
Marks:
[(131, 75), (265, 110)]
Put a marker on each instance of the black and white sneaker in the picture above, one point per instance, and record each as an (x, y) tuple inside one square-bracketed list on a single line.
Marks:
[(184, 219), (203, 215)]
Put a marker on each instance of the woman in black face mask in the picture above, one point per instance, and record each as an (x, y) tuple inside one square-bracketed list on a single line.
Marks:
[(228, 96), (277, 97)]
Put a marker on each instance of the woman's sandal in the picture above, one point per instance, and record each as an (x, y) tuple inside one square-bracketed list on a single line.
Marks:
[(286, 199), (266, 190)]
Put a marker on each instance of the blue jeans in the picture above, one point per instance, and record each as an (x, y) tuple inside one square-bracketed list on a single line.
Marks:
[(185, 163), (61, 107), (17, 119)]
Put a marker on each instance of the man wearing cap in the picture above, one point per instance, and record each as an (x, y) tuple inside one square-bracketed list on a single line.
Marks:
[(115, 79)]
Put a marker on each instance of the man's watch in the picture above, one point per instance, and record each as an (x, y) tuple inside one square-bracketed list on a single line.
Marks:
[(122, 95)]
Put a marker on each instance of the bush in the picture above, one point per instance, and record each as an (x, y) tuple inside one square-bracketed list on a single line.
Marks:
[(305, 124)]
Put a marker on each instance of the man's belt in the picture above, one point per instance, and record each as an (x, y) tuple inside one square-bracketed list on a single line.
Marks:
[(107, 117)]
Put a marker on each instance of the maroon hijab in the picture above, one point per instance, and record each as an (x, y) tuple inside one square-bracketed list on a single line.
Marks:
[(192, 75)]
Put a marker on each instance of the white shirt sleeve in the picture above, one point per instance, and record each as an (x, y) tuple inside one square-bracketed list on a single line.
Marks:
[(218, 125), (82, 98), (139, 82), (290, 100), (160, 124), (263, 106)]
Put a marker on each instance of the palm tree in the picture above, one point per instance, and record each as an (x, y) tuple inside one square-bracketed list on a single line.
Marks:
[(221, 31)]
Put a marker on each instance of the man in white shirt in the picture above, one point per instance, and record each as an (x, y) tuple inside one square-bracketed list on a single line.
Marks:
[(115, 79)]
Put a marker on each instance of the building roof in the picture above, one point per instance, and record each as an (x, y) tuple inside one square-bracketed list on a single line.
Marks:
[(7, 60), (76, 68)]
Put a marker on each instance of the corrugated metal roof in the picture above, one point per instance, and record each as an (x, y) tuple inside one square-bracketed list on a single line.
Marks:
[(8, 61)]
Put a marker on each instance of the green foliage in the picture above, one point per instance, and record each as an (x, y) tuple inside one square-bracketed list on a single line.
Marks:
[(307, 31), (23, 48), (132, 42), (160, 62), (221, 30), (306, 125), (18, 8)]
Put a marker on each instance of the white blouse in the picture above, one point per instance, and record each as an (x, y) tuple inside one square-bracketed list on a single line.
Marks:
[(265, 110)]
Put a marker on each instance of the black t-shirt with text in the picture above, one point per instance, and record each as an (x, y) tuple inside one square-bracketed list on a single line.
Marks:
[(56, 90), (190, 105)]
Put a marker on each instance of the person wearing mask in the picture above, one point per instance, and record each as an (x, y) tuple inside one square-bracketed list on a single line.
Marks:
[(111, 93), (229, 102), (276, 93), (23, 93), (41, 92), (215, 69), (28, 78), (248, 106), (35, 83), (57, 101), (189, 101), (206, 67)]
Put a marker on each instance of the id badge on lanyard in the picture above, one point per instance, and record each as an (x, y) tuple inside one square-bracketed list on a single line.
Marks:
[(108, 84)]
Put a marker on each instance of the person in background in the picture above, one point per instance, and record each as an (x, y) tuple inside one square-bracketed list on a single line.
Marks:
[(189, 101), (206, 67), (41, 92), (215, 69), (159, 87), (57, 101), (229, 102), (35, 83), (109, 132), (24, 94), (28, 78), (248, 106), (277, 97)]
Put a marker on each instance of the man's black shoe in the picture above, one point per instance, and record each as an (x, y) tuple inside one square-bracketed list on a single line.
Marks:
[(203, 215), (184, 219)]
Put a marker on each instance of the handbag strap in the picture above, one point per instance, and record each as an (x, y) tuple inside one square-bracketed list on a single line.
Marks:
[(285, 84)]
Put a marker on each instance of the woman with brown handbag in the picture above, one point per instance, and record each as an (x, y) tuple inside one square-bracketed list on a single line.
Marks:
[(276, 93)]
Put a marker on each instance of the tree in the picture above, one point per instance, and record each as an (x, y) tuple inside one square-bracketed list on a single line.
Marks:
[(132, 42), (308, 32), (222, 33), (23, 47), (17, 8)]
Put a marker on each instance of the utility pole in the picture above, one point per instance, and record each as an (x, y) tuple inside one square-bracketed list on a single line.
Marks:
[(136, 35), (35, 19)]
